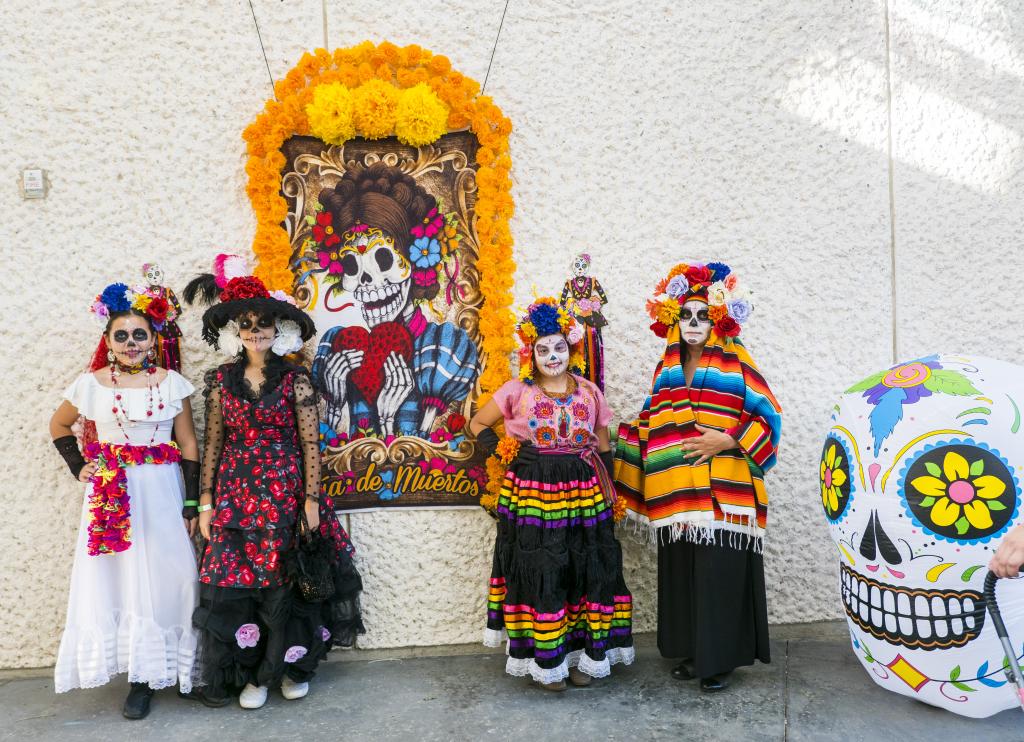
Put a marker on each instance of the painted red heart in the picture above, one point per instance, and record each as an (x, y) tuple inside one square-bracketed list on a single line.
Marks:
[(377, 345)]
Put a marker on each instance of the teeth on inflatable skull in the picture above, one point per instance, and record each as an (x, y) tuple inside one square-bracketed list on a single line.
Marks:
[(938, 618)]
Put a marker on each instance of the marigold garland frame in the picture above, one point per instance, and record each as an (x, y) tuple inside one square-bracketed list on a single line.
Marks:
[(404, 68)]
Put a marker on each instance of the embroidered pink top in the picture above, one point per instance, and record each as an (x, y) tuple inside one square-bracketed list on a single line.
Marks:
[(553, 422)]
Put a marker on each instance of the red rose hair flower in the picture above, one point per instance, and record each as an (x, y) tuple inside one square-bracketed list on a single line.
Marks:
[(727, 327), (158, 309), (698, 274), (243, 287)]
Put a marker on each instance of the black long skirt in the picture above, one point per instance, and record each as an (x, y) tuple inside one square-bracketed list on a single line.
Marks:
[(711, 606)]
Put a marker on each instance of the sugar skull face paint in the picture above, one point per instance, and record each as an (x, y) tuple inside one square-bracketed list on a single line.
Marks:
[(551, 354), (694, 322)]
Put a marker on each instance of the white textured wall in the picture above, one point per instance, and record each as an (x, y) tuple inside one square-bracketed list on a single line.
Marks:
[(764, 133)]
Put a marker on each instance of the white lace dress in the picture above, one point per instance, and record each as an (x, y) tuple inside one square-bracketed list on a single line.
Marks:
[(132, 611)]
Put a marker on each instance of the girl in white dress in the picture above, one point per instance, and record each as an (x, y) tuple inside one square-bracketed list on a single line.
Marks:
[(134, 582)]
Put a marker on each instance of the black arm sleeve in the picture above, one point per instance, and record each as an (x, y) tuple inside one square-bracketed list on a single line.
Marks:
[(190, 473), (67, 447)]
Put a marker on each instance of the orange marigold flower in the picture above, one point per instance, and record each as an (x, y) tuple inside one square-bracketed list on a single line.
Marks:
[(717, 312), (508, 449)]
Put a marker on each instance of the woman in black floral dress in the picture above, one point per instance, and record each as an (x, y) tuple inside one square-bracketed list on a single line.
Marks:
[(261, 476)]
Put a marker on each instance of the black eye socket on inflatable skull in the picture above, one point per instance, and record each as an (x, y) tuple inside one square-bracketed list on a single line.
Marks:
[(384, 259), (350, 265)]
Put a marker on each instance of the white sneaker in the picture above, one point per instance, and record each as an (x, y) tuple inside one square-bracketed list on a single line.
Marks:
[(252, 696), (292, 690)]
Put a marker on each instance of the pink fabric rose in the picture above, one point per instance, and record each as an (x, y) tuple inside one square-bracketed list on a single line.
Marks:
[(294, 654), (248, 635)]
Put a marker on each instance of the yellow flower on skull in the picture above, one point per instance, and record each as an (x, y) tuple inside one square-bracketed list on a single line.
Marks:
[(831, 478), (957, 490)]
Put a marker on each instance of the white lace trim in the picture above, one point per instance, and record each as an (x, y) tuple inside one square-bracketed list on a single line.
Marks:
[(579, 659), (495, 637), (90, 656)]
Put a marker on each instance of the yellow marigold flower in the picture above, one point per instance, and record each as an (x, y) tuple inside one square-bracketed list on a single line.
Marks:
[(142, 302), (421, 117), (528, 330), (668, 312), (330, 113), (375, 104)]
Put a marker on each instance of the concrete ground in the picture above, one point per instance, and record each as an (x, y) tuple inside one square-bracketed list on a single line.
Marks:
[(815, 689)]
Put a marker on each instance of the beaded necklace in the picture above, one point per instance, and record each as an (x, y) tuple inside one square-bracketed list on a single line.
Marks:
[(119, 409)]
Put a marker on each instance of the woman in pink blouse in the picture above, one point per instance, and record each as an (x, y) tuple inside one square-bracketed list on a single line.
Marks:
[(556, 592)]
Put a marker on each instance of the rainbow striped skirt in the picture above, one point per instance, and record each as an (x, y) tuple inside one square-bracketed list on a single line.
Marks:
[(556, 592)]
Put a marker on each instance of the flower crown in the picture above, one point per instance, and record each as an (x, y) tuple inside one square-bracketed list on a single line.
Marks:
[(545, 317), (434, 239), (120, 297), (714, 283)]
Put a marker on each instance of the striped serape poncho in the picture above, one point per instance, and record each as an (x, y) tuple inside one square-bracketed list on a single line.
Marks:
[(661, 488)]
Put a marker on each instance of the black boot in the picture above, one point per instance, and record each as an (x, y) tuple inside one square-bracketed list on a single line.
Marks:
[(715, 683), (683, 671), (136, 705), (207, 697)]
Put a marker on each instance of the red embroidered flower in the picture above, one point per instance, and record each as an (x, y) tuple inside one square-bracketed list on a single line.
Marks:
[(243, 287), (323, 230)]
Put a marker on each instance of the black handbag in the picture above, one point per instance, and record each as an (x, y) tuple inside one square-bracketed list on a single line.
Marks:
[(313, 577)]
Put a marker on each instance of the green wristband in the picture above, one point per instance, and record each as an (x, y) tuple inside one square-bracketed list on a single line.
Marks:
[(204, 508), (191, 503)]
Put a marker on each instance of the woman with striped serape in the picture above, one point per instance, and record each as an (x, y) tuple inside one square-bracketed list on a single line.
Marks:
[(691, 467), (556, 592)]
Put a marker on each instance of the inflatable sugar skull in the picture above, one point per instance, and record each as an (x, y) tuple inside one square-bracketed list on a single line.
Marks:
[(919, 479)]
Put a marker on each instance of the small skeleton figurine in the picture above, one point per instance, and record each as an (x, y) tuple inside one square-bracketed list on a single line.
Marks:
[(168, 332), (583, 296)]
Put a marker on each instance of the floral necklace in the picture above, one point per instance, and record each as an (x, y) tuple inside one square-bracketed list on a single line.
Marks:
[(120, 413)]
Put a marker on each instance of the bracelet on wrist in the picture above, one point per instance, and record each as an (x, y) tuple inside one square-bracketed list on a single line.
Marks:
[(204, 508), (191, 503)]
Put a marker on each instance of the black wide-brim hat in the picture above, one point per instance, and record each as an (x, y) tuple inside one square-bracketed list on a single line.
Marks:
[(220, 313), (217, 316)]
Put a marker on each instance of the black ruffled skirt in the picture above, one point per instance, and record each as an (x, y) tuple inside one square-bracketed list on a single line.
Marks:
[(259, 635), (556, 591)]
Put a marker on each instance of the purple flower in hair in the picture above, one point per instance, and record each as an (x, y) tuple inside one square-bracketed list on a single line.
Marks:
[(677, 287)]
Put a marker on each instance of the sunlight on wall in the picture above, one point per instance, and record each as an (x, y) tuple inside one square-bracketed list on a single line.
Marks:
[(931, 132)]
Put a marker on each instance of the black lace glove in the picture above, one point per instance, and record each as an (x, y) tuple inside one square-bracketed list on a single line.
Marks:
[(608, 459), (67, 447), (190, 473), (487, 440)]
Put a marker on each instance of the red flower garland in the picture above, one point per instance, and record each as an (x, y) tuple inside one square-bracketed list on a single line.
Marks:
[(110, 528)]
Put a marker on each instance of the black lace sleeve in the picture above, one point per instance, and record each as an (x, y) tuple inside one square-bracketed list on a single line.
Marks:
[(600, 292), (214, 437), (308, 422)]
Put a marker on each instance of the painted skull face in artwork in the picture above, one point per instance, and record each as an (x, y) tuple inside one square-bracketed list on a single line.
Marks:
[(919, 479), (377, 275), (581, 265), (154, 274)]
